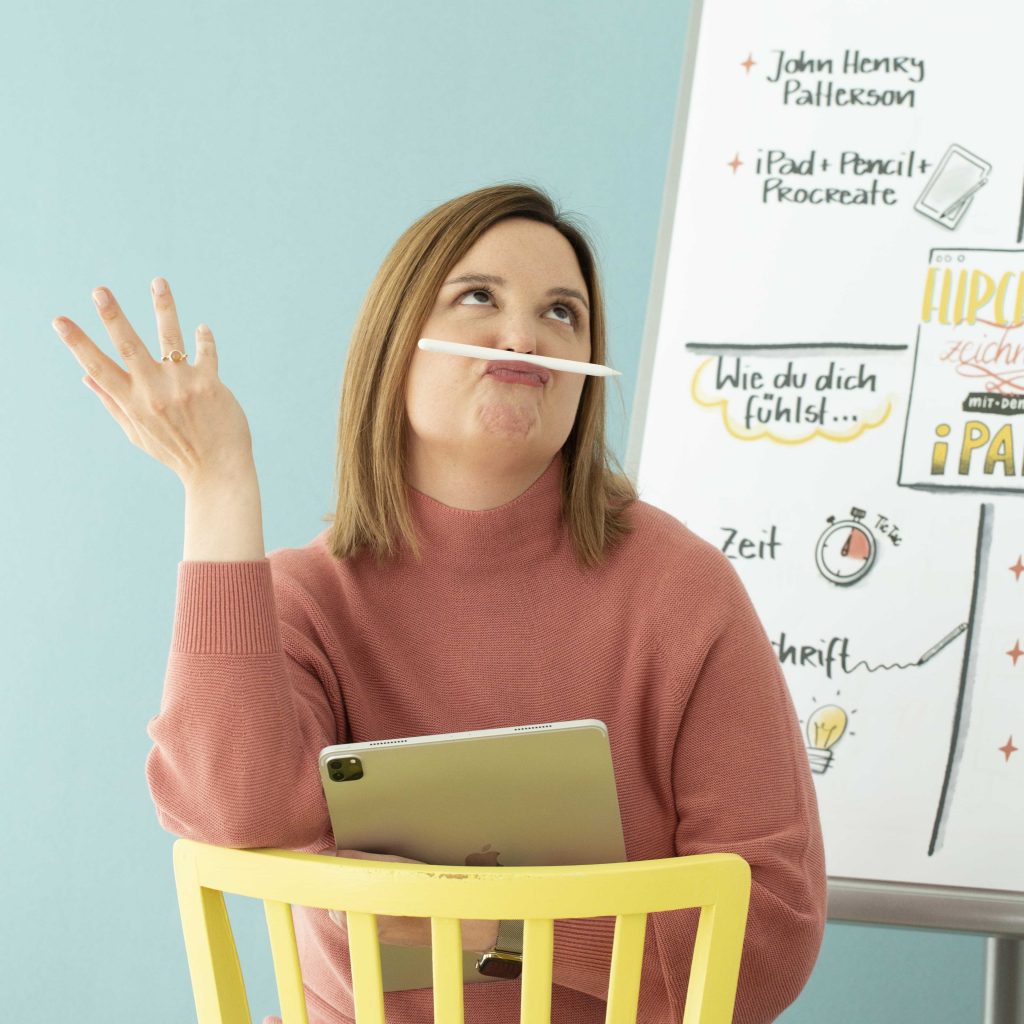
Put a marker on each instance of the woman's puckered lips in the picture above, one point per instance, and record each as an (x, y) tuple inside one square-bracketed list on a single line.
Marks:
[(518, 367)]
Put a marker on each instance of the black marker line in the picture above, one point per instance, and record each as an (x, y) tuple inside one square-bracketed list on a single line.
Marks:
[(966, 488), (709, 346), (1020, 223), (966, 248), (984, 525), (910, 399)]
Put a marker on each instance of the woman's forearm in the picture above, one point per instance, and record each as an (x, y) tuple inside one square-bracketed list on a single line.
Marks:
[(224, 518)]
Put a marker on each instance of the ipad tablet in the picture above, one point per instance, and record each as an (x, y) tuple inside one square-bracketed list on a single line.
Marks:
[(523, 795)]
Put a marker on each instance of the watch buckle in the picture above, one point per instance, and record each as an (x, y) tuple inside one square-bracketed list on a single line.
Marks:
[(499, 964)]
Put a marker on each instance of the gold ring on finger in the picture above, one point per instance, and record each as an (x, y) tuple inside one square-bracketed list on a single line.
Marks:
[(174, 356)]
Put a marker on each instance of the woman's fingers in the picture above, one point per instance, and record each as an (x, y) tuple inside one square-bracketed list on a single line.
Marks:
[(206, 350), (96, 363), (136, 356), (168, 328)]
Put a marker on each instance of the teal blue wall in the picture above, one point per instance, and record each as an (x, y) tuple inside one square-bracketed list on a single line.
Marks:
[(264, 159)]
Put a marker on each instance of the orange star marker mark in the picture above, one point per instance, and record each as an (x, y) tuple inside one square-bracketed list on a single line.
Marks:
[(748, 63), (735, 163), (1009, 748), (1017, 569), (1016, 652)]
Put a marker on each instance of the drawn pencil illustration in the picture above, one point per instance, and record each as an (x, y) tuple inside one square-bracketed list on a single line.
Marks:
[(949, 192)]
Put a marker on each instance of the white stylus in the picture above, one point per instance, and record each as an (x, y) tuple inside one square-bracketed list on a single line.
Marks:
[(477, 352), (963, 199)]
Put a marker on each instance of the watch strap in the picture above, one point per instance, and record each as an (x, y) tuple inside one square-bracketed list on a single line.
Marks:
[(510, 937), (505, 960)]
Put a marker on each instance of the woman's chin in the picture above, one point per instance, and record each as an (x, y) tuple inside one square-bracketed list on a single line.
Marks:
[(508, 420)]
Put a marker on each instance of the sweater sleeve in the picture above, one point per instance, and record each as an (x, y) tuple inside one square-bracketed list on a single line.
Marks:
[(249, 700), (742, 785)]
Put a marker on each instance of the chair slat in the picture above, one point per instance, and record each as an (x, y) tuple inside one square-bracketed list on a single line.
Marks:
[(715, 966), (538, 950), (627, 961), (367, 984), (217, 983), (285, 954), (446, 940)]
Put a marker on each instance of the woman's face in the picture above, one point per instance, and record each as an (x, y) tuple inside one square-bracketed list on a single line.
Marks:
[(519, 288)]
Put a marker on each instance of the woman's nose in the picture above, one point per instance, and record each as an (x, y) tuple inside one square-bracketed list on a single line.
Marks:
[(517, 333)]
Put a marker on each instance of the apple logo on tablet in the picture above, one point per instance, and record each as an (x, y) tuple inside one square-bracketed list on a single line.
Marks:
[(485, 858)]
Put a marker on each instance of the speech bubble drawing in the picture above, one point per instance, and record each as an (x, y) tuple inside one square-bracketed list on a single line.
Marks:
[(793, 400)]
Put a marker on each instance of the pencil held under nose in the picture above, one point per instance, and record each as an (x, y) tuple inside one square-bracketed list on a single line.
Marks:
[(548, 362)]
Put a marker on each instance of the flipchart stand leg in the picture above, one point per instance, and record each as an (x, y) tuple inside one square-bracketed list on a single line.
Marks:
[(1004, 981)]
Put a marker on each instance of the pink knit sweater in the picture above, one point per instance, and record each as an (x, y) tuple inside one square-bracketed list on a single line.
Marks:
[(287, 654)]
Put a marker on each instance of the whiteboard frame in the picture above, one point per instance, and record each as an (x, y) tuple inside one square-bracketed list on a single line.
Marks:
[(988, 912)]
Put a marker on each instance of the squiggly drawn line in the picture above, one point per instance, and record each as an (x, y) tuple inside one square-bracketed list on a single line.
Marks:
[(980, 367), (996, 379), (909, 664), (927, 656)]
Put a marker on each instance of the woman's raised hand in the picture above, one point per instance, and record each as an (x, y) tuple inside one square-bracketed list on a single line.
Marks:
[(181, 415)]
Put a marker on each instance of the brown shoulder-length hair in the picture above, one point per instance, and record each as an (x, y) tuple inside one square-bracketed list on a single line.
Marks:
[(372, 505)]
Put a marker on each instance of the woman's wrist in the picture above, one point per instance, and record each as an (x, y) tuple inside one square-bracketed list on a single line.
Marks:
[(479, 936)]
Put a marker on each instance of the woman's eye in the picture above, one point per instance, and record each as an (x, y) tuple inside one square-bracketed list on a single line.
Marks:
[(481, 296)]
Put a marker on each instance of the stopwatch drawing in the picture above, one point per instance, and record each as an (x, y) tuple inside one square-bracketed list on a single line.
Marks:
[(846, 550)]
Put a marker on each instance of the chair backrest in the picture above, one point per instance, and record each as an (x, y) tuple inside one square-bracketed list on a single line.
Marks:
[(719, 884)]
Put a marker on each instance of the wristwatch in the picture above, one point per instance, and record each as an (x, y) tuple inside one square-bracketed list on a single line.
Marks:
[(506, 959)]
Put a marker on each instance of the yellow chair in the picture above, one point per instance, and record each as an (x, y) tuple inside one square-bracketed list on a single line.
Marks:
[(717, 883)]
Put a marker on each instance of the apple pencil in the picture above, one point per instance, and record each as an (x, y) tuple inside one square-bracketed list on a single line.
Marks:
[(477, 352), (963, 199)]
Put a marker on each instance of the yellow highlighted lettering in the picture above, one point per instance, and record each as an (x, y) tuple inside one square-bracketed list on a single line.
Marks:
[(981, 290), (976, 436), (940, 450), (1001, 451)]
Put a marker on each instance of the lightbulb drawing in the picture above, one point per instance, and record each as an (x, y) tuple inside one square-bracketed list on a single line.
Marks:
[(825, 729)]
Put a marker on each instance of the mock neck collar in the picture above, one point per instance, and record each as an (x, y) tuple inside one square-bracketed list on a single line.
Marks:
[(523, 530)]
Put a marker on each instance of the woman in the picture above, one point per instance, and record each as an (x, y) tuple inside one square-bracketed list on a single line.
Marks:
[(481, 545)]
